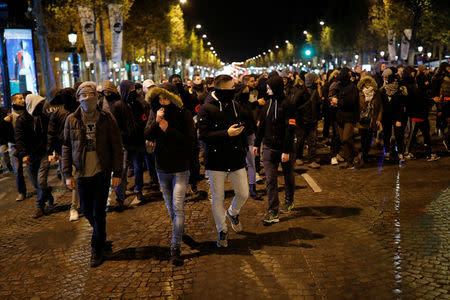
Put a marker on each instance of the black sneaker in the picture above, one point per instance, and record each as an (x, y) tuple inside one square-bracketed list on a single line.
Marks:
[(107, 249), (97, 259), (287, 208), (175, 256), (235, 224), (222, 242), (271, 218)]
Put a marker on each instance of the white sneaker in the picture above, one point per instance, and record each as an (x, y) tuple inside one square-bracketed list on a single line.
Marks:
[(73, 215), (433, 157), (334, 161), (409, 156)]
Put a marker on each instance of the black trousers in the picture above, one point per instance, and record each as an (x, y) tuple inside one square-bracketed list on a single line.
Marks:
[(93, 193), (271, 161)]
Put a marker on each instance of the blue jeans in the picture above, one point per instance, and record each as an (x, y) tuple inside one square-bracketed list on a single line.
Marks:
[(18, 171), (150, 163), (136, 155), (250, 159), (38, 169), (239, 182), (173, 186), (93, 192)]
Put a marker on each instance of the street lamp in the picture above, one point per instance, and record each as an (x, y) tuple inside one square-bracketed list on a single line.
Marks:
[(269, 50), (429, 54), (198, 26), (382, 53), (286, 41), (208, 43), (277, 46), (264, 53), (211, 48), (322, 23), (420, 48), (204, 36), (305, 32), (152, 57), (183, 1), (72, 36), (356, 56)]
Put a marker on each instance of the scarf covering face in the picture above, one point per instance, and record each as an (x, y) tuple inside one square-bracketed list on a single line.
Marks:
[(368, 93), (391, 88)]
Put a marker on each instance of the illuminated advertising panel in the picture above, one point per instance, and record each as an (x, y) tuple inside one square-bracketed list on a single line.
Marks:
[(21, 61)]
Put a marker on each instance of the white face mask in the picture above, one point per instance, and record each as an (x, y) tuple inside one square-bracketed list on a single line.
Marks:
[(269, 91)]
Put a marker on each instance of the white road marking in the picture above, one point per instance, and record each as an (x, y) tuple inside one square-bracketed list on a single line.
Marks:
[(312, 183)]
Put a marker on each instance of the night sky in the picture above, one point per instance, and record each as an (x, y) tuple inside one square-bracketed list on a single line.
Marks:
[(239, 29)]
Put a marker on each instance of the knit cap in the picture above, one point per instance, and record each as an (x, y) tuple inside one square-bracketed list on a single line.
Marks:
[(87, 87)]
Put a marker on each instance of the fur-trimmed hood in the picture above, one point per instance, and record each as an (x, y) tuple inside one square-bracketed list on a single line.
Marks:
[(152, 98), (367, 79), (333, 75)]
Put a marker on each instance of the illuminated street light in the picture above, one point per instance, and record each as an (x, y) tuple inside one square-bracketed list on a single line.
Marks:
[(305, 32), (308, 52), (211, 48), (382, 53), (429, 54), (198, 26), (322, 23), (277, 46), (208, 43), (264, 53), (420, 48), (204, 36), (323, 61), (356, 56), (269, 50), (286, 41), (183, 1)]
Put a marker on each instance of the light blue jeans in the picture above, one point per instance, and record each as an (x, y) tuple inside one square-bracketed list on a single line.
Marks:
[(239, 182), (173, 186), (250, 159)]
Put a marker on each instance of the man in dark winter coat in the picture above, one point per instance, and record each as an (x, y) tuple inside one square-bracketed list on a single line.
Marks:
[(307, 104), (222, 129), (394, 113), (55, 137), (92, 144), (345, 97), (31, 147), (417, 106), (171, 128), (18, 108), (277, 131)]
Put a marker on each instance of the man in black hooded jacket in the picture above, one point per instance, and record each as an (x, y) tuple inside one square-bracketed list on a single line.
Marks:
[(277, 130), (346, 98)]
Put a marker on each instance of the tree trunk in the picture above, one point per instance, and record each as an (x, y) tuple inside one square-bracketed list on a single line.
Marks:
[(41, 33), (146, 60)]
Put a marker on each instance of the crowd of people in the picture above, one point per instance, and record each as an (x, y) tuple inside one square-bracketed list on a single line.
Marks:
[(233, 126)]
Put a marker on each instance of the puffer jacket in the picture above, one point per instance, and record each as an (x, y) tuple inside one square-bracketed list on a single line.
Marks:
[(108, 144)]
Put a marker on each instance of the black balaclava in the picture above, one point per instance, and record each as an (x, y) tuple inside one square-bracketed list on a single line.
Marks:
[(276, 84), (225, 95), (344, 76)]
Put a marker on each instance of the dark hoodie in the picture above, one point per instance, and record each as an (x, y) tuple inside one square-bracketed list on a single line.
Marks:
[(172, 147), (348, 99), (55, 133), (417, 103), (31, 129), (130, 115), (277, 122)]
